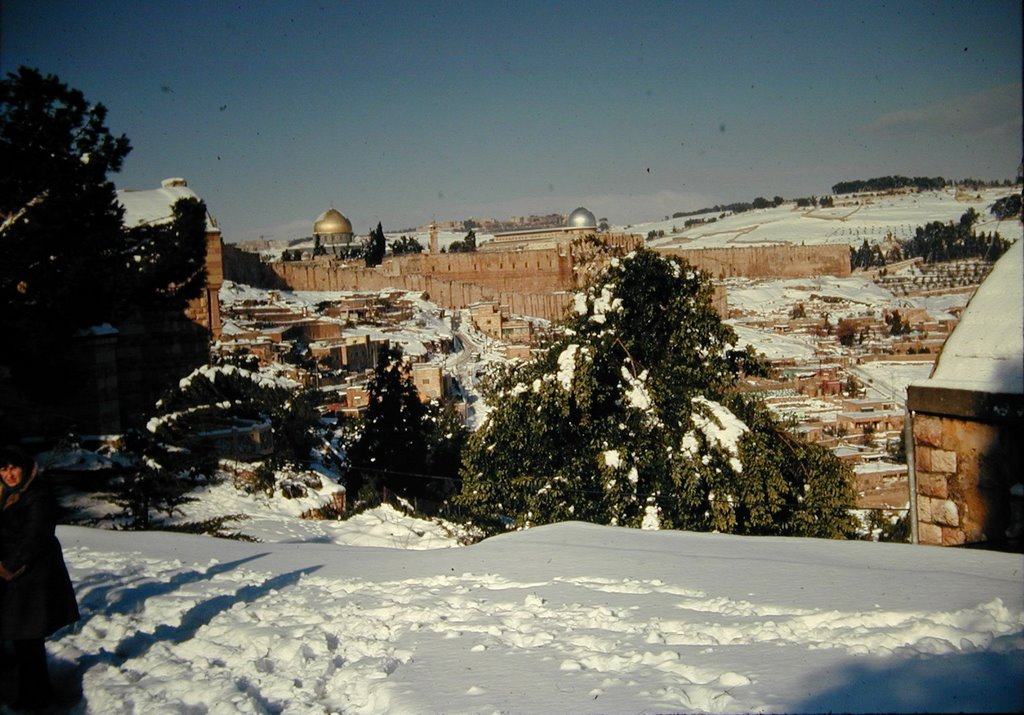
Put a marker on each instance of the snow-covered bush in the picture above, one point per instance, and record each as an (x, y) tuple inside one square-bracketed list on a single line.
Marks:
[(630, 419)]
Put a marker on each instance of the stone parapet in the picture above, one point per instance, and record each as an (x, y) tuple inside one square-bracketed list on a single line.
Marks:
[(965, 469)]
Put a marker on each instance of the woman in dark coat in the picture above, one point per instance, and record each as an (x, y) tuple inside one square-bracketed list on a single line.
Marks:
[(36, 596)]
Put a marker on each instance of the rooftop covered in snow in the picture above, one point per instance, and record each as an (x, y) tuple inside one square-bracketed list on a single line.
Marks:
[(156, 206), (980, 371), (985, 353)]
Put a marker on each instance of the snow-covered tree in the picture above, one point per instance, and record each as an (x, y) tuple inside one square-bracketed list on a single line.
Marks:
[(630, 419), (61, 225), (215, 396), (66, 261)]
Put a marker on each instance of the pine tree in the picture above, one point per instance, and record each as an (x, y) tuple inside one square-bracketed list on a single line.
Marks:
[(66, 261), (391, 449), (62, 225), (157, 481), (630, 419), (215, 396)]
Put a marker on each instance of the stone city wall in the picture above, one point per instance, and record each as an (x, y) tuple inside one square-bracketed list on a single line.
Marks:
[(535, 283), (520, 271), (785, 261)]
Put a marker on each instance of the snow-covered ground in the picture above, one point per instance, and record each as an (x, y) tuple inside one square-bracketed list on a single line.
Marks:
[(854, 219), (565, 618), (889, 380), (473, 350)]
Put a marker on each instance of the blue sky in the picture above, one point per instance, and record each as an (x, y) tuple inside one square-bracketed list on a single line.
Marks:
[(406, 111)]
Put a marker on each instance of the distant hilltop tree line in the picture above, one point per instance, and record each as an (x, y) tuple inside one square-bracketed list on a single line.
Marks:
[(936, 242), (919, 183), (881, 183), (742, 206)]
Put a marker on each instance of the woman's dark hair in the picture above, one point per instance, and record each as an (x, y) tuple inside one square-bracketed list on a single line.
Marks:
[(16, 456)]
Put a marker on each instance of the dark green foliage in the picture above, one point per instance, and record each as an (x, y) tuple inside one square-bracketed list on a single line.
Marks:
[(629, 419), (466, 245), (66, 261), (214, 526), (888, 526), (157, 482), (404, 446), (376, 245), (215, 397), (167, 262), (867, 256), (936, 241), (391, 446), (405, 245), (1007, 207), (62, 225), (446, 438), (801, 489), (737, 207), (897, 324), (890, 183)]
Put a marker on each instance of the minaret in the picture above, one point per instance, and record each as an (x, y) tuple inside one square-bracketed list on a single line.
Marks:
[(433, 237)]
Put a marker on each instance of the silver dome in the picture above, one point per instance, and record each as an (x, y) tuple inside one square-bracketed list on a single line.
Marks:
[(581, 218)]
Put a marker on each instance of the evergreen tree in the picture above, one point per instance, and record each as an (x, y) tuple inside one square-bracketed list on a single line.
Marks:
[(215, 396), (407, 447), (1007, 207), (169, 259), (466, 245), (630, 419), (376, 246), (391, 449), (62, 234), (404, 245), (157, 481), (66, 261)]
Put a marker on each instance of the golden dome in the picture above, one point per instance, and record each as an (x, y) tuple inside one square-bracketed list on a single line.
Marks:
[(331, 221)]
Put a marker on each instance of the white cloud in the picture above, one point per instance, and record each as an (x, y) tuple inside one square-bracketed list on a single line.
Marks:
[(992, 112)]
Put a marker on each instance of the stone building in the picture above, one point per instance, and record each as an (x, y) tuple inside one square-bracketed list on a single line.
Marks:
[(156, 206), (967, 474), (581, 222), (157, 348)]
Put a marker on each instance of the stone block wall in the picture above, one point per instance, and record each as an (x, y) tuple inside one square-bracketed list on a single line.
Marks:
[(785, 261), (535, 283), (965, 469)]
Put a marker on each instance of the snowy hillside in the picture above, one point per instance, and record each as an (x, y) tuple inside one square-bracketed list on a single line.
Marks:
[(854, 219), (567, 618)]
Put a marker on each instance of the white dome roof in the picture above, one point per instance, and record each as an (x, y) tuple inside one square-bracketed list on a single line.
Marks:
[(581, 218)]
